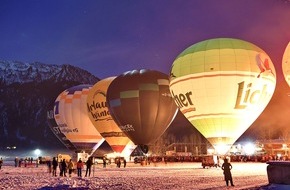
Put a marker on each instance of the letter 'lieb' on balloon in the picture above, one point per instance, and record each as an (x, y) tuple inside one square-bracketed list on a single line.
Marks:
[(286, 64), (221, 86), (70, 113), (141, 104), (99, 115)]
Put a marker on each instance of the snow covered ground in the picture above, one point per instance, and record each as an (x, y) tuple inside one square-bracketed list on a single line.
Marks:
[(134, 176)]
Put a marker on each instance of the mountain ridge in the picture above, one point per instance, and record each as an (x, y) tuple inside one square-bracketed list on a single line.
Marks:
[(22, 72), (27, 91)]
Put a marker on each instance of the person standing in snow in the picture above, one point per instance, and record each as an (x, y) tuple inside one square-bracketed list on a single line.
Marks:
[(48, 166), (54, 166), (89, 164), (118, 162), (70, 167), (60, 168), (37, 162), (1, 163), (63, 168), (226, 167), (16, 161), (104, 162), (80, 166), (25, 162), (20, 161), (125, 163)]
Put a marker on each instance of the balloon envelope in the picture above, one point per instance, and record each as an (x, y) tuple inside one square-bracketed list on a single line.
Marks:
[(286, 64), (70, 113), (141, 104), (99, 115), (56, 131), (129, 148), (221, 86)]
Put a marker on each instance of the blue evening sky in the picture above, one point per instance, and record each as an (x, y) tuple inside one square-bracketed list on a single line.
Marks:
[(109, 37)]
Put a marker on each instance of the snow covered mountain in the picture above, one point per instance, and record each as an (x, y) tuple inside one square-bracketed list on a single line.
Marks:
[(19, 72), (27, 91)]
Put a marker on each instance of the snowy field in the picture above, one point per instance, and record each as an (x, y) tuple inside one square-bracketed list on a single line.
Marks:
[(134, 176)]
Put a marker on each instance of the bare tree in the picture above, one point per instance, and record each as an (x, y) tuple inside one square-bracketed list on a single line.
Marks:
[(159, 147), (285, 133)]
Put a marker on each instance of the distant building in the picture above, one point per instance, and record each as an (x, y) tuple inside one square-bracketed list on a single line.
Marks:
[(186, 149), (277, 147)]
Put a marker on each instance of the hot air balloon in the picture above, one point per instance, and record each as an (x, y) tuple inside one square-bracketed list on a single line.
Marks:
[(99, 115), (221, 86), (70, 113), (129, 148), (141, 104), (56, 131), (286, 64)]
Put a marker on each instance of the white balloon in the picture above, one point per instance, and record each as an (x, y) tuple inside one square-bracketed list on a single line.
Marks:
[(70, 112)]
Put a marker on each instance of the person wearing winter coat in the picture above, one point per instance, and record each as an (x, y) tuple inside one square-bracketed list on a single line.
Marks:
[(104, 162), (63, 168), (80, 166), (70, 167), (1, 163), (89, 164), (48, 163), (227, 172), (125, 163), (54, 166)]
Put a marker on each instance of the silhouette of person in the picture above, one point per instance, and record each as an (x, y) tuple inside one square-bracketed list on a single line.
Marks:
[(226, 167), (104, 162), (1, 163), (125, 163), (63, 168), (54, 166), (89, 164)]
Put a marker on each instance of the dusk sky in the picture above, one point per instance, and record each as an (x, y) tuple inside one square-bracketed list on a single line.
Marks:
[(109, 37)]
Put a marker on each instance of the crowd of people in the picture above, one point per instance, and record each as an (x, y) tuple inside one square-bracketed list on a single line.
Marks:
[(70, 167), (77, 167), (63, 165), (26, 162)]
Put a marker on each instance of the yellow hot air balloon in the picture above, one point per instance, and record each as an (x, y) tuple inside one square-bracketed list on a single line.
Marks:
[(70, 113), (101, 118), (286, 64), (221, 86)]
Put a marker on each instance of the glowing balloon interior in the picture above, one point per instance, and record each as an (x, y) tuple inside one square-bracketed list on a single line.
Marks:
[(70, 113), (141, 105), (221, 86), (286, 64), (99, 115)]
